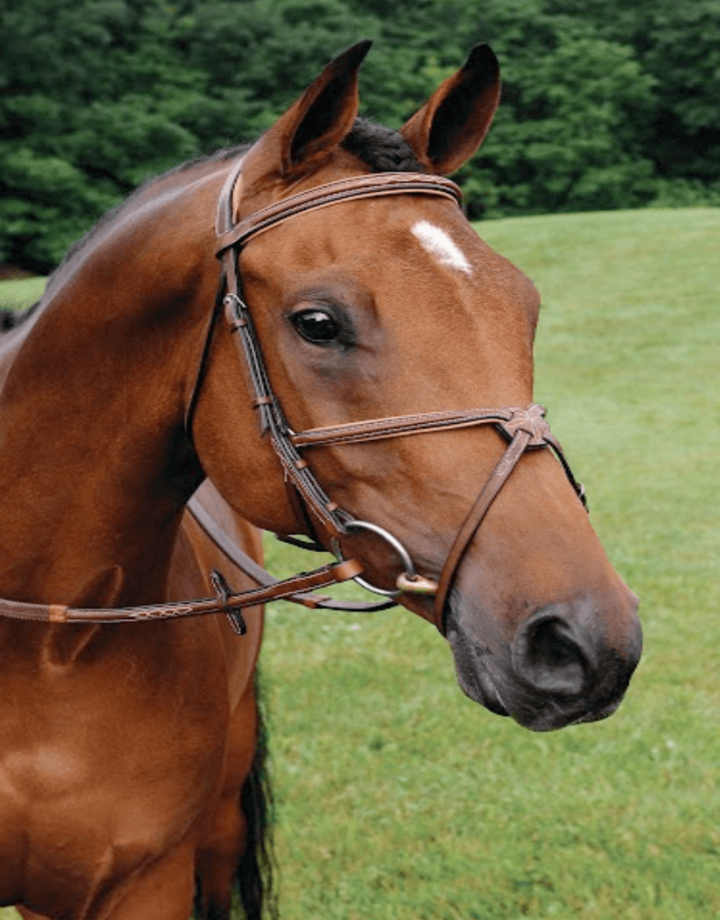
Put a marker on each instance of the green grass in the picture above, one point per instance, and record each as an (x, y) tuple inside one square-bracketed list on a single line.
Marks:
[(21, 293), (399, 799)]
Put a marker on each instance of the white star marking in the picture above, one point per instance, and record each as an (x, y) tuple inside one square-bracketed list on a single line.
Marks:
[(439, 244)]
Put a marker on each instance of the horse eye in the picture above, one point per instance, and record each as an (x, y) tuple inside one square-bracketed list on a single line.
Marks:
[(316, 326)]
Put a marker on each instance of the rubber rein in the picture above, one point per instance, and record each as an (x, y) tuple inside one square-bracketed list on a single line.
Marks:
[(524, 427)]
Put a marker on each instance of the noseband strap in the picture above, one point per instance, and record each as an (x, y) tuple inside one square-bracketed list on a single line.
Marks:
[(527, 429)]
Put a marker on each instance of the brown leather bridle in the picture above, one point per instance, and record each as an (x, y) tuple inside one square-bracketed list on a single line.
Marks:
[(524, 427)]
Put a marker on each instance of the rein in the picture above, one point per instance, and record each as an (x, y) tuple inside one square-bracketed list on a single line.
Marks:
[(524, 428)]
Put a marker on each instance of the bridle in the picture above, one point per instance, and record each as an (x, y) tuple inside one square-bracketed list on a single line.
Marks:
[(524, 428)]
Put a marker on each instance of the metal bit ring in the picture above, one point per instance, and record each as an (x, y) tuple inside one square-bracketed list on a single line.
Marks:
[(409, 573)]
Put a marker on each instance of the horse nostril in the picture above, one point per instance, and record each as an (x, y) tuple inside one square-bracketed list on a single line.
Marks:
[(548, 656)]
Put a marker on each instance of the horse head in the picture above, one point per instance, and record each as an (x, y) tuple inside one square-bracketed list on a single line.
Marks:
[(390, 306)]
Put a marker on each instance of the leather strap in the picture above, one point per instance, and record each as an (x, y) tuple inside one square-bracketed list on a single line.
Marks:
[(226, 603), (400, 425), (475, 518), (526, 429), (240, 558), (368, 186)]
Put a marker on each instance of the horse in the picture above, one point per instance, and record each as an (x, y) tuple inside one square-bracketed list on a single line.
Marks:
[(359, 375)]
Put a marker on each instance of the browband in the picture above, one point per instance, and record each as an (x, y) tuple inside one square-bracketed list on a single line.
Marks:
[(369, 186)]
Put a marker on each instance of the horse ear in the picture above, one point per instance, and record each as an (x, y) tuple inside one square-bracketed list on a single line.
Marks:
[(304, 137), (453, 123)]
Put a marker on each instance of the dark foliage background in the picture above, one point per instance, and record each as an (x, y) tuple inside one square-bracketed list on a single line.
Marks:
[(606, 104)]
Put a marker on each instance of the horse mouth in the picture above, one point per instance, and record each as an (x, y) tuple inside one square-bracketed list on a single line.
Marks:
[(598, 716), (488, 695), (532, 700), (473, 675)]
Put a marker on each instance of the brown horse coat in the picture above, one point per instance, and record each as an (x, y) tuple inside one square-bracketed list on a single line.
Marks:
[(124, 749)]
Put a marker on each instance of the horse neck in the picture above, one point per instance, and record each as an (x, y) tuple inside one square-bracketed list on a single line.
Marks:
[(96, 465)]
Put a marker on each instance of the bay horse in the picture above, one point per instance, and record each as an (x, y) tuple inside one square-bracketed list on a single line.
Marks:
[(366, 327)]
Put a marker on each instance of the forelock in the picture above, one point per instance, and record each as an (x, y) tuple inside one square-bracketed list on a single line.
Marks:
[(381, 148)]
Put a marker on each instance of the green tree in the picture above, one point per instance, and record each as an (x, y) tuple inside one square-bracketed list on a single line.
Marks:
[(569, 137), (90, 107), (258, 55), (677, 44), (605, 105)]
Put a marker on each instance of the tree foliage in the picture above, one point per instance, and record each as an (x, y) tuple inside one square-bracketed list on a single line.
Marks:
[(606, 105)]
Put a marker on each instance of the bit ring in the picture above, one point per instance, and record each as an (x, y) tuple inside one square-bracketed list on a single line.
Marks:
[(408, 573)]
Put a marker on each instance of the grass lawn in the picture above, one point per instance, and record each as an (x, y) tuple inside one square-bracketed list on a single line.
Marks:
[(21, 293), (398, 798)]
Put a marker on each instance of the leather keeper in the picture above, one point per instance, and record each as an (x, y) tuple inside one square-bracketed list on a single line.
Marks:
[(57, 613)]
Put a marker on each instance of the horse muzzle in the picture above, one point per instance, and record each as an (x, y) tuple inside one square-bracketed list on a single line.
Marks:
[(562, 666)]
